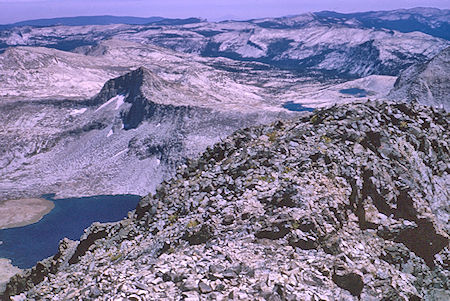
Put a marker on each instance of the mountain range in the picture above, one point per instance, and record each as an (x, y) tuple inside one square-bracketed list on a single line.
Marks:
[(314, 43), (123, 86), (431, 21), (333, 180), (100, 20)]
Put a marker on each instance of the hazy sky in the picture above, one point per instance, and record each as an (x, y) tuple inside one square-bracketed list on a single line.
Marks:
[(18, 10)]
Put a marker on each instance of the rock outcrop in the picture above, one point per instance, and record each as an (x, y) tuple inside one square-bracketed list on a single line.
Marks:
[(346, 203), (427, 83)]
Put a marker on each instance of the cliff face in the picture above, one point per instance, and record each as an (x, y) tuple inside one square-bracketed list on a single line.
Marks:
[(346, 203), (428, 83)]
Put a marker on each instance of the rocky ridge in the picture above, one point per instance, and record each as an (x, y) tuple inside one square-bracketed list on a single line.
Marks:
[(427, 83), (346, 203)]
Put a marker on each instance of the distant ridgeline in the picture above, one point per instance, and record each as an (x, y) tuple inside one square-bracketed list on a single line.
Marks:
[(102, 20), (313, 49), (431, 21)]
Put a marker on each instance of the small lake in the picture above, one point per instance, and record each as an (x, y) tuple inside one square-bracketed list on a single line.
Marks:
[(296, 107), (25, 246), (355, 92)]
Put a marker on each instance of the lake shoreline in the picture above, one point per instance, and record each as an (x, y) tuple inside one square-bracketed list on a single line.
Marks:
[(27, 245), (23, 212), (7, 270), (28, 236)]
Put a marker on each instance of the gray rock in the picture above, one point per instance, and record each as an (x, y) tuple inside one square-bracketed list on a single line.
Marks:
[(190, 284), (230, 274), (95, 292), (204, 288)]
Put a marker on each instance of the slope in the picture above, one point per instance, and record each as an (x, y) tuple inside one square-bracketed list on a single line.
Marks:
[(348, 203), (427, 83)]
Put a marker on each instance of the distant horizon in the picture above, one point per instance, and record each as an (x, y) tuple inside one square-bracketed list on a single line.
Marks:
[(14, 11), (243, 19)]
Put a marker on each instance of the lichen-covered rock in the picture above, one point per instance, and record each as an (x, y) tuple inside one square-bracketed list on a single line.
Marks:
[(347, 203)]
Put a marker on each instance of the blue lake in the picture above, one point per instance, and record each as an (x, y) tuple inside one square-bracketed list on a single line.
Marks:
[(25, 246), (292, 106), (355, 91)]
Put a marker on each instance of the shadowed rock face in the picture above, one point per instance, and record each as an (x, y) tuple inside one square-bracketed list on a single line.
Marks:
[(345, 203), (427, 83), (132, 86), (129, 84)]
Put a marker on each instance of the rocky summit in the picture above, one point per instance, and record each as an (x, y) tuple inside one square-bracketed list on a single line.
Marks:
[(344, 203)]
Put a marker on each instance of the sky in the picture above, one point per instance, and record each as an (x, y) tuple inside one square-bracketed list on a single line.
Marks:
[(213, 10)]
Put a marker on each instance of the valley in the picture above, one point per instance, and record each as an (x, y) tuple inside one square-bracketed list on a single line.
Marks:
[(69, 105)]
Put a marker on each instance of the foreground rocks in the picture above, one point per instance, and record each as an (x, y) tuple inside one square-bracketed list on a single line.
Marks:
[(346, 203)]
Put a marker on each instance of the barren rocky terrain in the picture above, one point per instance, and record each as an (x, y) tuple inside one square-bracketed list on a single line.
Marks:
[(247, 194), (346, 203)]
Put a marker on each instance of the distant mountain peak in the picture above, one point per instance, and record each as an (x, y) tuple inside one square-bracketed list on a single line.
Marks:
[(132, 84)]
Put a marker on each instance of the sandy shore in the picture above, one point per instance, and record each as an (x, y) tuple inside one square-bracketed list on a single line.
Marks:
[(18, 213), (22, 212)]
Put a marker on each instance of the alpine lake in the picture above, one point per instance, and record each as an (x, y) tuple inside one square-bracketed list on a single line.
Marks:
[(27, 245)]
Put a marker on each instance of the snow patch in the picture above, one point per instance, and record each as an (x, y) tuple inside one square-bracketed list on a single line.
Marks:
[(75, 112), (120, 153), (119, 99), (110, 133)]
